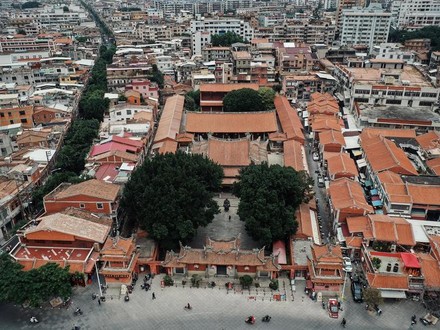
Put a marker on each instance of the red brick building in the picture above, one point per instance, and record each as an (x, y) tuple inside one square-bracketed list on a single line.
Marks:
[(93, 195)]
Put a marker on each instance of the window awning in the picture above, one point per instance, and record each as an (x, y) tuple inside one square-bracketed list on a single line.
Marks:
[(394, 294), (356, 152), (376, 203), (361, 162)]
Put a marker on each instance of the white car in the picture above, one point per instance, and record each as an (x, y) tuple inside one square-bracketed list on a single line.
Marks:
[(315, 156), (347, 264)]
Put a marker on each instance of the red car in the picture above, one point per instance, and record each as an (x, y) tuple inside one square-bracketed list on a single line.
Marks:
[(333, 308)]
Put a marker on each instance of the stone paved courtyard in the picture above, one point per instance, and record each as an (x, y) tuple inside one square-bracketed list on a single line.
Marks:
[(212, 309)]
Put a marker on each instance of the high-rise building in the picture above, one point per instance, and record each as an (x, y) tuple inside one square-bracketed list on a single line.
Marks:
[(365, 26), (414, 14)]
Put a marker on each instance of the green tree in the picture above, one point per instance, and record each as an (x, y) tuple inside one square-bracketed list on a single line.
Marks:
[(428, 32), (156, 76), (171, 195), (277, 88), (21, 31), (267, 96), (192, 100), (35, 286), (243, 100), (372, 296), (246, 281), (269, 196), (81, 39), (226, 39), (65, 9), (30, 4)]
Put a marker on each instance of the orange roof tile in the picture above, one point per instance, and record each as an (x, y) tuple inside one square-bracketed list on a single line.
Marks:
[(354, 242), (324, 124), (348, 194), (389, 177), (390, 133), (360, 225), (289, 119), (229, 153), (293, 155), (434, 165), (430, 140), (331, 137), (424, 194), (304, 219), (170, 119), (430, 270), (383, 154), (388, 281), (391, 229), (226, 87), (93, 188), (228, 122), (168, 147), (342, 164)]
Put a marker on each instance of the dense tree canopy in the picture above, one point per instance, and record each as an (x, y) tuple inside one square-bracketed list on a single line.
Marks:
[(156, 76), (192, 100), (171, 195), (35, 286), (269, 196), (243, 100), (428, 32), (30, 4), (267, 96), (226, 39)]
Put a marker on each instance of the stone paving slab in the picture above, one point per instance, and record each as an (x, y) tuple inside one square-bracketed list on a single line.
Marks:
[(212, 309)]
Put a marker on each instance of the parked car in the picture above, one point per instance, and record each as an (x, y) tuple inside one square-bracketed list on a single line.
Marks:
[(356, 291), (348, 267), (315, 156), (333, 308), (321, 183)]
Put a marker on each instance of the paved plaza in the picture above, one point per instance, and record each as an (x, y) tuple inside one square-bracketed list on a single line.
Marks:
[(212, 309)]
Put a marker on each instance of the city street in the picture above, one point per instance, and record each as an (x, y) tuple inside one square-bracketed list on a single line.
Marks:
[(320, 193)]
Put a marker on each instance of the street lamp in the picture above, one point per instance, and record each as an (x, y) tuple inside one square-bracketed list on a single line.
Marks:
[(97, 276)]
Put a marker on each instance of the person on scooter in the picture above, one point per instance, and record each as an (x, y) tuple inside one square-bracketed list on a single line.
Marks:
[(188, 306), (34, 319)]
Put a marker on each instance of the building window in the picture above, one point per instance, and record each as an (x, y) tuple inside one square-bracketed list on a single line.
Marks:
[(2, 114), (425, 104), (394, 101), (22, 113), (99, 206), (82, 206), (23, 120)]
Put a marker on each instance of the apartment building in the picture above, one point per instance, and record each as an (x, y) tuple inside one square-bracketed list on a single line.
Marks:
[(393, 51), (415, 14), (365, 26), (222, 54), (386, 83), (202, 30), (298, 88)]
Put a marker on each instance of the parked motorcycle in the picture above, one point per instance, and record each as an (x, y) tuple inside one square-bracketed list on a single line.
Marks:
[(413, 320), (266, 318), (250, 320), (34, 319)]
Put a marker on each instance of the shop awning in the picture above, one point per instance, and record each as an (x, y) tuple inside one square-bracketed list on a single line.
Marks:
[(361, 162), (368, 183), (340, 235), (375, 198), (356, 152), (377, 203), (374, 192), (410, 260), (394, 294)]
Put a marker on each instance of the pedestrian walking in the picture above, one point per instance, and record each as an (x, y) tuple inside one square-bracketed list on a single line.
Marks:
[(230, 218), (344, 322), (99, 302), (153, 296)]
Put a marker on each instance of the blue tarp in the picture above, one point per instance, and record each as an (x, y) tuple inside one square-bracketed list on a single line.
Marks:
[(374, 192), (377, 203), (368, 183)]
